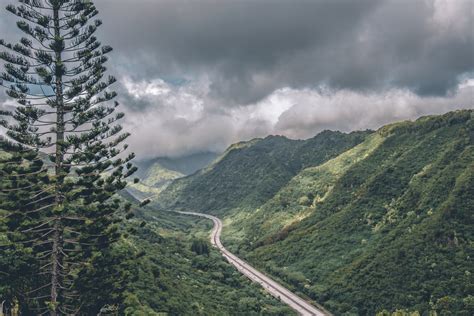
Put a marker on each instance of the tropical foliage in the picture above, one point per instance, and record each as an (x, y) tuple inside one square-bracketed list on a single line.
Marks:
[(381, 225), (65, 217)]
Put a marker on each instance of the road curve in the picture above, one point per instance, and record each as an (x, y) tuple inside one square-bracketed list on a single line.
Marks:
[(275, 289)]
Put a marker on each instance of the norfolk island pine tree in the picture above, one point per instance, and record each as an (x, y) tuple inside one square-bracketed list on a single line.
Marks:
[(64, 107)]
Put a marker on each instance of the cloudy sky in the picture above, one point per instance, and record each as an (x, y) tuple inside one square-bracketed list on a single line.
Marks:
[(200, 75)]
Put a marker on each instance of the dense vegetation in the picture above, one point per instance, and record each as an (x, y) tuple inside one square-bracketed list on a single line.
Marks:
[(393, 230), (58, 222), (158, 173), (364, 223), (173, 269), (166, 266), (385, 225), (249, 173), (184, 165)]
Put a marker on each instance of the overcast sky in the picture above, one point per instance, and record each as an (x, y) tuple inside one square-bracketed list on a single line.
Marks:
[(200, 75)]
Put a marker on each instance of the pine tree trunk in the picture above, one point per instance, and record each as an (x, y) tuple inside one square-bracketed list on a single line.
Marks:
[(55, 268), (56, 258)]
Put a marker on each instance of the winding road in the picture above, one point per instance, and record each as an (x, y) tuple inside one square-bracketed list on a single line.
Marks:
[(295, 302)]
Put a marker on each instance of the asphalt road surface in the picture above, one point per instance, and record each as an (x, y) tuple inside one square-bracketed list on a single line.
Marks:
[(295, 302)]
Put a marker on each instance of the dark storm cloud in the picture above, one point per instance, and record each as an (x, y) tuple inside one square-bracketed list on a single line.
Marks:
[(248, 49), (232, 41), (199, 75), (251, 48)]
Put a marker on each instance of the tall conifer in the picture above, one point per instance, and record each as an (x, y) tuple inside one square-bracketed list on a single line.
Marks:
[(56, 73), (22, 182)]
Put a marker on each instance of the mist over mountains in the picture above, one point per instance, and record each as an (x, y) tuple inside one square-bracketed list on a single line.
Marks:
[(199, 77)]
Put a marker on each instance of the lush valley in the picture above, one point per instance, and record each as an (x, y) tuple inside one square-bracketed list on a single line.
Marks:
[(360, 223), (171, 158), (172, 269), (161, 265)]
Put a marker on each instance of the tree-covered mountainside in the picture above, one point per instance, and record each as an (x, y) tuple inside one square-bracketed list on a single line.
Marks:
[(156, 174), (154, 179), (187, 164), (250, 173), (170, 268), (165, 267), (153, 171), (361, 223)]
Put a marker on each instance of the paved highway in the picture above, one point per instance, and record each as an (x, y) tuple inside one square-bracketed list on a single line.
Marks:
[(295, 302)]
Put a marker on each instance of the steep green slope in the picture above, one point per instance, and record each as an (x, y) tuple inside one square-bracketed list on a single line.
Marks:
[(188, 164), (155, 269), (296, 200), (156, 174), (167, 274), (152, 171), (250, 173), (153, 180), (386, 225)]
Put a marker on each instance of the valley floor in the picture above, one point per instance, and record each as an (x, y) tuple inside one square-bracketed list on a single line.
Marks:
[(291, 299)]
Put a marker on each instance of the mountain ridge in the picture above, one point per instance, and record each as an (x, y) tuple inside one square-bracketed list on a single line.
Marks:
[(358, 230), (279, 159)]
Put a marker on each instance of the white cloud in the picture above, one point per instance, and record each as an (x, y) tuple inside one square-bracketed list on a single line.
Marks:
[(169, 120), (454, 17), (185, 119), (251, 69), (142, 89), (348, 110)]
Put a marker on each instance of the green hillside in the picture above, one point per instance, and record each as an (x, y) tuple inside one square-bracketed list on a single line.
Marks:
[(153, 180), (162, 265), (156, 174), (250, 173), (387, 225), (360, 222), (188, 164), (297, 199), (167, 274), (153, 171)]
